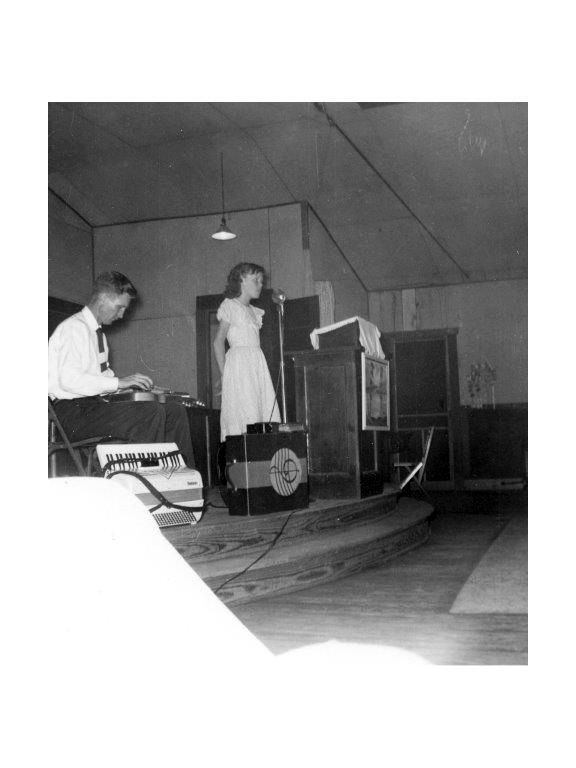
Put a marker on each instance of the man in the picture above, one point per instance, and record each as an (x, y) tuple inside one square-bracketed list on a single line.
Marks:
[(79, 373)]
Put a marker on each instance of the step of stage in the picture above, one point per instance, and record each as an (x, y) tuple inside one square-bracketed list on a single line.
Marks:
[(317, 545)]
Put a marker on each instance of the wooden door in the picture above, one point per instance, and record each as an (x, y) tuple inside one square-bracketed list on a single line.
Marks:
[(425, 393)]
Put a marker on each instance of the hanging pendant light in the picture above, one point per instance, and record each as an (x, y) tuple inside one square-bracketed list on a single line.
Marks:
[(223, 233)]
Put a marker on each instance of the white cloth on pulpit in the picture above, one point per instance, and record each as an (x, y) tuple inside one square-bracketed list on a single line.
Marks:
[(369, 335)]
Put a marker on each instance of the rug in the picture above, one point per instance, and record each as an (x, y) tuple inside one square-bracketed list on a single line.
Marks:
[(499, 583)]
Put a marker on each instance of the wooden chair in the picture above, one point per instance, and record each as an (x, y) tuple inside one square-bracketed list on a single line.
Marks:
[(80, 451), (415, 470)]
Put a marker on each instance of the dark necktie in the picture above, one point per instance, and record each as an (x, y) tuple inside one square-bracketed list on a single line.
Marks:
[(100, 336)]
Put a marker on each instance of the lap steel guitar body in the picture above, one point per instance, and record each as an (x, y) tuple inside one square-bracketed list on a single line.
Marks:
[(140, 396), (134, 396)]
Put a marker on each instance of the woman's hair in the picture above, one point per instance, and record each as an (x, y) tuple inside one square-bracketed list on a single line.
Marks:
[(233, 284)]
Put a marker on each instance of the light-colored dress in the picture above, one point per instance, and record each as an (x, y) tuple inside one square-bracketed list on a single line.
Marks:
[(247, 390)]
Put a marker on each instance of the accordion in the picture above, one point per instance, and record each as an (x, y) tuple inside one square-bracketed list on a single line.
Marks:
[(159, 478)]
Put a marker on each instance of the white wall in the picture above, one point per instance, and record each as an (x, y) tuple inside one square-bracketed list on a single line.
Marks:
[(172, 262), (492, 319), (69, 253)]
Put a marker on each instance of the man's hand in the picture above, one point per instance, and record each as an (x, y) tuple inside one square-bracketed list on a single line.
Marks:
[(136, 381)]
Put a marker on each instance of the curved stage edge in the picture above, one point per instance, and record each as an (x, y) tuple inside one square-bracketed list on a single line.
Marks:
[(322, 543)]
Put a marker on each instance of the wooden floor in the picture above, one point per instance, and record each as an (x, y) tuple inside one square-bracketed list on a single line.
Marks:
[(406, 603)]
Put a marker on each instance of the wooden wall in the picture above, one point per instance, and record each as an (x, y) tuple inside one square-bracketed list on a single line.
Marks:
[(69, 253), (492, 319), (171, 262), (350, 296)]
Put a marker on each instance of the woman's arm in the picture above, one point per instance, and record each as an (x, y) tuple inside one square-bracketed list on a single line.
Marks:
[(219, 344)]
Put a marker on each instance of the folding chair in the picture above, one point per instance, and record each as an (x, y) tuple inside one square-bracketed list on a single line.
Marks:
[(58, 441), (415, 471)]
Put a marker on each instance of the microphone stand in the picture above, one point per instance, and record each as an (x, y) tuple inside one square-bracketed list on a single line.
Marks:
[(280, 303), (279, 297)]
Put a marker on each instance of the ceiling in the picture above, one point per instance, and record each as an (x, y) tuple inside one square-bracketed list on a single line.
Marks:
[(412, 193)]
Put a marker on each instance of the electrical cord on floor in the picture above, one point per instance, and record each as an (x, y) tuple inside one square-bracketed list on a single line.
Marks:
[(163, 501), (266, 551), (226, 507)]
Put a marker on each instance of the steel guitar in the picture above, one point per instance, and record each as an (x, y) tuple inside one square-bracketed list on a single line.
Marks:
[(199, 415), (155, 395), (159, 478)]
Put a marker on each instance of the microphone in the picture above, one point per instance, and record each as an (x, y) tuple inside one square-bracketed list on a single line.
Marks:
[(278, 296)]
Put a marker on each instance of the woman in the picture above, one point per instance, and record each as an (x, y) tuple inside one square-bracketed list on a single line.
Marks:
[(248, 396)]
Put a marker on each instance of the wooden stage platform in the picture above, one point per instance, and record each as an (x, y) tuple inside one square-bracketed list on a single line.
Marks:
[(326, 541)]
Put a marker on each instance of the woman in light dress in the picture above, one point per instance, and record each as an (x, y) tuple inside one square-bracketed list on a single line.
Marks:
[(248, 395)]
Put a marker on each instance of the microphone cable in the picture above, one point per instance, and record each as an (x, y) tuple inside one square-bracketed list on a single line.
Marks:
[(275, 401), (260, 556)]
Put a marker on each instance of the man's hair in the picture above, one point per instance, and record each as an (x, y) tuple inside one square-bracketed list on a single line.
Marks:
[(113, 282), (234, 282)]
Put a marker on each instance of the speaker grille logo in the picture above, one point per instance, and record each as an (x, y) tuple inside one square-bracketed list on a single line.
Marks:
[(285, 472)]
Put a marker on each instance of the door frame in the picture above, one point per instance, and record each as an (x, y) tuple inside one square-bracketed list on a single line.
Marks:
[(451, 419)]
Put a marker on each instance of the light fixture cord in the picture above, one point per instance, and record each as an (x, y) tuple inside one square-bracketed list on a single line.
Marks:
[(222, 177)]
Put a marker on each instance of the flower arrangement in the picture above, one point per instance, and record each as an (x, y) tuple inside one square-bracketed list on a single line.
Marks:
[(481, 381)]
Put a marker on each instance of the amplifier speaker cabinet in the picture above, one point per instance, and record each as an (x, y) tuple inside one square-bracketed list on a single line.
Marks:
[(266, 473)]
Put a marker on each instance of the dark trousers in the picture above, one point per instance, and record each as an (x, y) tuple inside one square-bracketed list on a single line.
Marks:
[(131, 422)]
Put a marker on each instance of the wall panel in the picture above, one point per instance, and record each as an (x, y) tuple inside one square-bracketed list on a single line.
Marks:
[(69, 253), (162, 348), (350, 297), (492, 319)]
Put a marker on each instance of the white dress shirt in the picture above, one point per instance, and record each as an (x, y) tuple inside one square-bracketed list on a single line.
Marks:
[(74, 362)]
